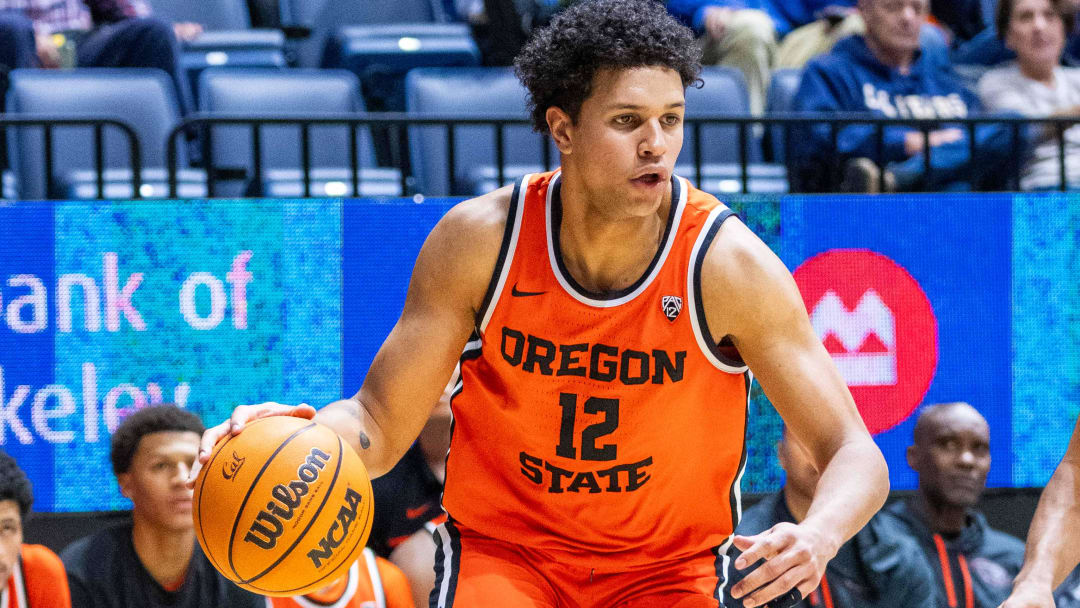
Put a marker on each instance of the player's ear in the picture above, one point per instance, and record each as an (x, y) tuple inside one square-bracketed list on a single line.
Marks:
[(561, 128), (913, 459), (124, 481)]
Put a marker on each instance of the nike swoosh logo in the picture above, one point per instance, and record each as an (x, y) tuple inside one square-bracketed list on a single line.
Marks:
[(417, 512), (524, 294)]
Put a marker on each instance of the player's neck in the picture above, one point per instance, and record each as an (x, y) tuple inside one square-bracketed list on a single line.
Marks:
[(604, 252), (165, 554), (942, 518)]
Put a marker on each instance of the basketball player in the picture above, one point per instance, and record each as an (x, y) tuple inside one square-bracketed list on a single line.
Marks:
[(154, 560), (371, 582), (607, 317), (1053, 543), (32, 575)]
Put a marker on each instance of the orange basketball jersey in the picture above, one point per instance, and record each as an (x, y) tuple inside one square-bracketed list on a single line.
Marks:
[(602, 426), (39, 579), (371, 582)]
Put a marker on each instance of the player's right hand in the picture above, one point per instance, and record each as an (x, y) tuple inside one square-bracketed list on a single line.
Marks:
[(241, 416), (1028, 597)]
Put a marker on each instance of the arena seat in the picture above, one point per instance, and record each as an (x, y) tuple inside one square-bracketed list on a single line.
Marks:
[(228, 39), (213, 16), (299, 91), (141, 97), (780, 100), (381, 55), (322, 17), (725, 93), (479, 92)]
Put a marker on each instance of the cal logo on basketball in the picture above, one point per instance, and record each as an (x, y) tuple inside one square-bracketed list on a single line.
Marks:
[(232, 467), (269, 524), (339, 530)]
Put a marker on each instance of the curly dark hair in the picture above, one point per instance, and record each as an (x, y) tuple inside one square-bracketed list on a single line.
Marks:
[(153, 419), (14, 484), (558, 63)]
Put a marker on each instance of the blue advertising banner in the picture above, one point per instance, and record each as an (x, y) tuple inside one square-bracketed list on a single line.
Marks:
[(109, 307)]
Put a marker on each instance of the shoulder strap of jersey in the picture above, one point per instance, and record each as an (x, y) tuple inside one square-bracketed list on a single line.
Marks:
[(506, 253), (709, 346)]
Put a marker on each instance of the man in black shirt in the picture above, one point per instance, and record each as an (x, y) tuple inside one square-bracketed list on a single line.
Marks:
[(973, 564), (154, 560)]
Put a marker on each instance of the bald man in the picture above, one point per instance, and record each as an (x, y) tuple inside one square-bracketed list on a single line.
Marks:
[(880, 567), (973, 564)]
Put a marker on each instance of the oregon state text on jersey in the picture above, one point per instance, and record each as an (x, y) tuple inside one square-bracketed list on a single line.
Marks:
[(598, 424)]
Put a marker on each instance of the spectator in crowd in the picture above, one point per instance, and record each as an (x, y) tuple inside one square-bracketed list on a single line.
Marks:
[(819, 25), (888, 73), (971, 35), (808, 28), (154, 560), (501, 27), (973, 564), (880, 567), (739, 33), (91, 33), (1037, 85), (32, 575), (370, 582)]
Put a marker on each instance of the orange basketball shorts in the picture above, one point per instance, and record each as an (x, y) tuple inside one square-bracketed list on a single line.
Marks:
[(475, 571)]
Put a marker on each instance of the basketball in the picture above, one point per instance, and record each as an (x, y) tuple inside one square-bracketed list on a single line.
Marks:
[(284, 507)]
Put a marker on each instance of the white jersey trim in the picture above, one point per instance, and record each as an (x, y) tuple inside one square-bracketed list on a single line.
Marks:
[(511, 247), (376, 578), (346, 597), (692, 304), (448, 564), (677, 207)]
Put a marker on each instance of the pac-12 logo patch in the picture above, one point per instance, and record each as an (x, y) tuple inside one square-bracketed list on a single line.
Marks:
[(672, 306), (878, 325)]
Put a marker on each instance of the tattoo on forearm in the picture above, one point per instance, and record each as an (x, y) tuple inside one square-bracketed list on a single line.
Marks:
[(364, 441)]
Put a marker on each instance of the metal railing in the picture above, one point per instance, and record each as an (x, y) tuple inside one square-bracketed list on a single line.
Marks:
[(49, 123), (749, 132)]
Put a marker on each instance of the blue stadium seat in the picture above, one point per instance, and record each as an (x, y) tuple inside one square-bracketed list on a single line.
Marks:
[(381, 55), (781, 100), (725, 93), (237, 48), (477, 92), (143, 98), (228, 39), (323, 17), (299, 91), (216, 15)]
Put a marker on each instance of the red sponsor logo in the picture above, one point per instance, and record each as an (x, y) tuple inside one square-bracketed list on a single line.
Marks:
[(878, 325)]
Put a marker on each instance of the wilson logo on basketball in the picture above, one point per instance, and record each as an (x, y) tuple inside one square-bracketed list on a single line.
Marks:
[(232, 467), (269, 522), (878, 326), (339, 530)]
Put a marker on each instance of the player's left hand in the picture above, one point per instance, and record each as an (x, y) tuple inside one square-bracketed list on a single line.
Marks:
[(795, 558)]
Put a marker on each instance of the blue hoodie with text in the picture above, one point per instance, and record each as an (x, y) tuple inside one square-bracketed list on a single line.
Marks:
[(850, 79)]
